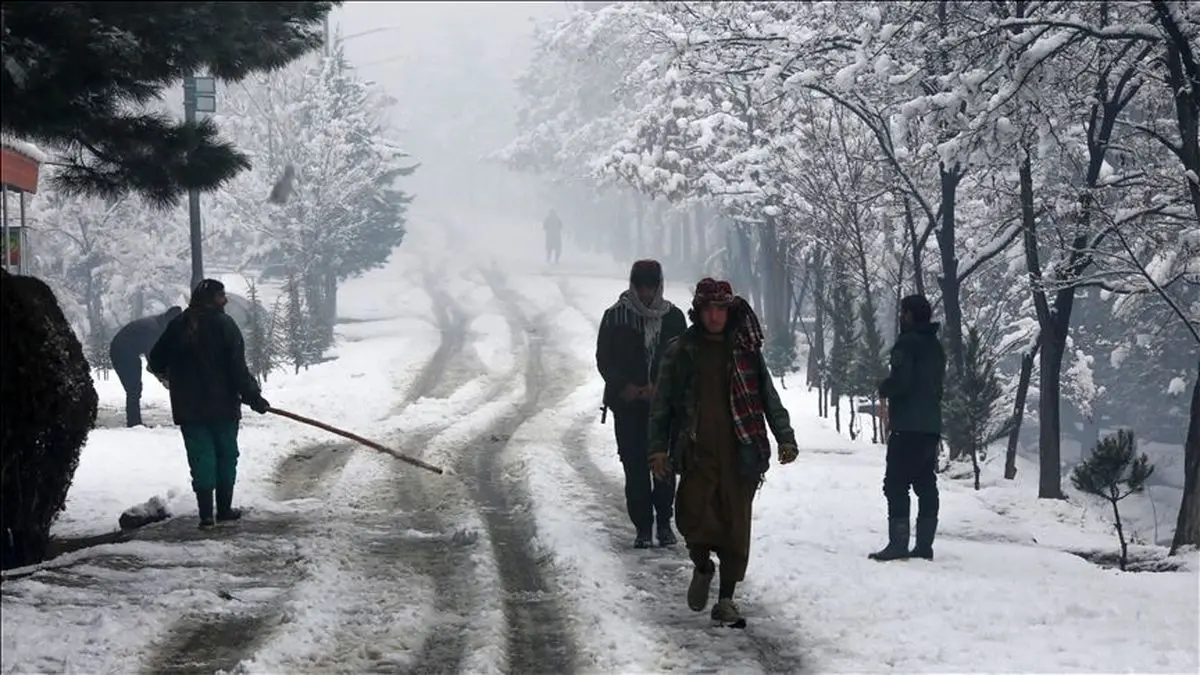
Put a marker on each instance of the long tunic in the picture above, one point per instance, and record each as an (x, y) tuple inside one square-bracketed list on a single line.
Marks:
[(713, 504)]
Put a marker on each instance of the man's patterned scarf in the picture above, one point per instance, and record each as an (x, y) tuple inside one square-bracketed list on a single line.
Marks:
[(745, 396)]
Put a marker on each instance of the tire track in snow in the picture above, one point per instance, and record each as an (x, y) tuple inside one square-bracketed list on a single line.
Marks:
[(664, 574), (408, 530), (538, 638)]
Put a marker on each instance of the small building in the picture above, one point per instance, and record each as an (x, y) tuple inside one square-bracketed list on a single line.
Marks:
[(20, 166)]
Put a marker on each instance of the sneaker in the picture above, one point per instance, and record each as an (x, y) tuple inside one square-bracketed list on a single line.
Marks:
[(726, 612)]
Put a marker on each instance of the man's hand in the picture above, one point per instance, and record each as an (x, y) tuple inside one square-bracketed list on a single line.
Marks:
[(788, 453), (260, 405), (660, 465), (631, 392)]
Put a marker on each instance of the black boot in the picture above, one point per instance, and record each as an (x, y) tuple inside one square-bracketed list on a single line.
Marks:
[(225, 510), (204, 500), (926, 529), (666, 537), (897, 548), (643, 540)]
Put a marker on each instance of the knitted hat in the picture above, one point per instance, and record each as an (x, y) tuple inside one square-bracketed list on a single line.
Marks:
[(646, 274), (709, 291)]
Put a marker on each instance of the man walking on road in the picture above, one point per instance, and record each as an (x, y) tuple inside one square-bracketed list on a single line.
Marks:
[(634, 333), (553, 227), (913, 391), (134, 340), (201, 357), (709, 422)]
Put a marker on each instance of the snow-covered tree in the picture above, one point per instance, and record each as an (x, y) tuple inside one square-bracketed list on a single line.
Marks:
[(343, 213)]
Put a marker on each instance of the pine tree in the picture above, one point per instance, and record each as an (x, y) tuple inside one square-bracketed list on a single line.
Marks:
[(76, 74), (971, 400), (868, 366), (841, 355), (260, 355), (296, 327), (1114, 471)]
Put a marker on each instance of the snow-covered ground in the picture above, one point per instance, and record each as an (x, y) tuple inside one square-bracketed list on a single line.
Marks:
[(353, 561)]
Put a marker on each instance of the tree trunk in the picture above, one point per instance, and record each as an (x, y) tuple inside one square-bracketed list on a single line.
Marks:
[(1187, 525), (1049, 426), (1014, 435), (639, 213), (1120, 532), (700, 224)]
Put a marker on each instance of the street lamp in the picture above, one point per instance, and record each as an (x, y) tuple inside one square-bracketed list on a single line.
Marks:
[(199, 96)]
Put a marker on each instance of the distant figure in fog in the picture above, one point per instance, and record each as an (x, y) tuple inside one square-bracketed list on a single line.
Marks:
[(128, 346), (913, 391), (553, 227)]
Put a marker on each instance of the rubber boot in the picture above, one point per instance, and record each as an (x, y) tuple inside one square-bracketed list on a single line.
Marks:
[(926, 529), (897, 547), (701, 586), (225, 511), (204, 500)]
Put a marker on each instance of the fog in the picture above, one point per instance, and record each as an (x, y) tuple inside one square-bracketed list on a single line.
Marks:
[(451, 69)]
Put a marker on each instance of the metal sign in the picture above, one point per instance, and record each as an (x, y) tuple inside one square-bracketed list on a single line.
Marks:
[(201, 92)]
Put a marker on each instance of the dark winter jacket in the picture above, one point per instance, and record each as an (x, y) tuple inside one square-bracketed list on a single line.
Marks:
[(673, 418), (138, 337), (915, 385), (202, 358), (621, 355)]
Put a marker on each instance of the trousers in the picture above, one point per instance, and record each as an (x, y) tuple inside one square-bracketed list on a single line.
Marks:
[(911, 463)]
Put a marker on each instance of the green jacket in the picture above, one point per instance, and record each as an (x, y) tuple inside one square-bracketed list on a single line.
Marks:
[(915, 386), (673, 412)]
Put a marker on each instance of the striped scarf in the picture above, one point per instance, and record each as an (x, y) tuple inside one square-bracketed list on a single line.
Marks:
[(630, 311), (746, 394)]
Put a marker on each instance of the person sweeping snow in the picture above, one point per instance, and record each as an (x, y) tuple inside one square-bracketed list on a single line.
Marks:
[(201, 357), (708, 422)]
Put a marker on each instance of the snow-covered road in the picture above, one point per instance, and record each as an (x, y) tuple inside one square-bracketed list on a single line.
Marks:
[(518, 560)]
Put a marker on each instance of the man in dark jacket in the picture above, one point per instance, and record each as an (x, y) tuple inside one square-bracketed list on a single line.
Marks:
[(634, 334), (913, 391), (126, 350), (202, 358)]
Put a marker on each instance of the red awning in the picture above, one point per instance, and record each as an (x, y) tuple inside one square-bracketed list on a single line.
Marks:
[(18, 171)]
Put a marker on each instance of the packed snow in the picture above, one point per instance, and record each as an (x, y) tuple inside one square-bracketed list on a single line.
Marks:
[(1009, 590)]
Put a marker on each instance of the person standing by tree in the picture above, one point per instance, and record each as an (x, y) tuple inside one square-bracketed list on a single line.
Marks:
[(128, 346), (633, 335), (709, 420), (913, 390), (553, 227), (202, 358)]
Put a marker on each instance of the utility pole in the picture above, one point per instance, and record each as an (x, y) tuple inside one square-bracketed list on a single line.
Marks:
[(199, 95)]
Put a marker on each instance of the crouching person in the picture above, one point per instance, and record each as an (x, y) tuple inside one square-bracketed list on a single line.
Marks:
[(201, 357), (913, 390), (709, 420)]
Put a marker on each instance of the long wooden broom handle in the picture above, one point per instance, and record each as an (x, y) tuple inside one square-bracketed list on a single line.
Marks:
[(358, 439)]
